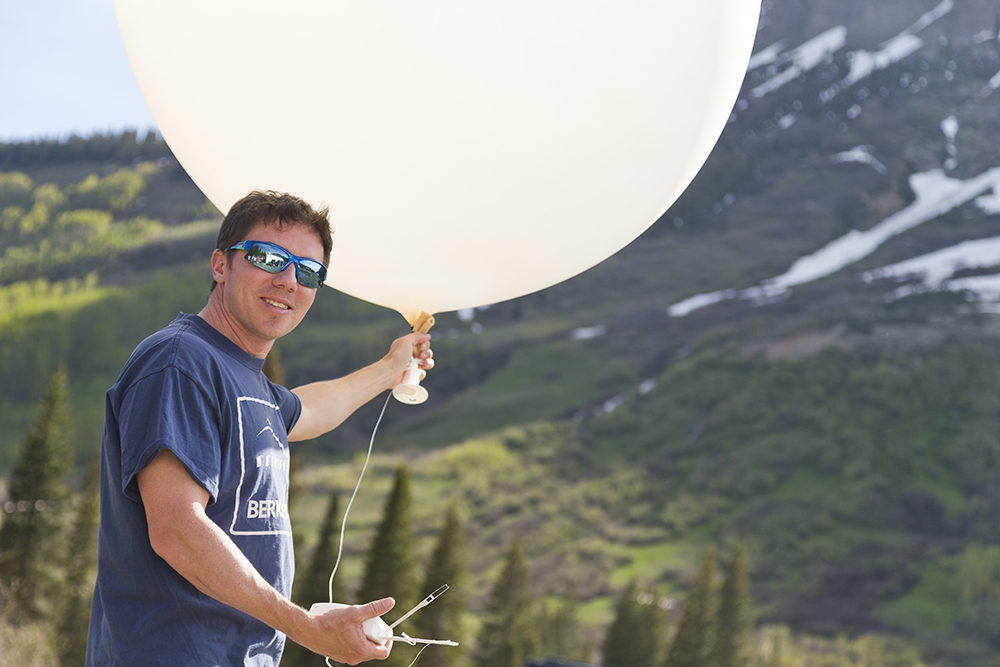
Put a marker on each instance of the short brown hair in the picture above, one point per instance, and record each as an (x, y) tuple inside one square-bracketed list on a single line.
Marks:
[(279, 209)]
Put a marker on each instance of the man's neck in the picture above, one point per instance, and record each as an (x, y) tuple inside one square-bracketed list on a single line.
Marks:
[(216, 316)]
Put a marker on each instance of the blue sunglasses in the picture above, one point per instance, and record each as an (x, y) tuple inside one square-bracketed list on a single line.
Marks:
[(275, 259)]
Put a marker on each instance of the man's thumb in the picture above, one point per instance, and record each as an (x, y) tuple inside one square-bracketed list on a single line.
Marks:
[(378, 607)]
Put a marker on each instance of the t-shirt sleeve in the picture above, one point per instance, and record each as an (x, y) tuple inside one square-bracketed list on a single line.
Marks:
[(289, 404), (168, 410)]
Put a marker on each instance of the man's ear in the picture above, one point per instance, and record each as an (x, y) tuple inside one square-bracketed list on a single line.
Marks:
[(220, 266)]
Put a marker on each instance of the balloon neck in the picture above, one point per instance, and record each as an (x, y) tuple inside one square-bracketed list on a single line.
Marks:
[(422, 323), (409, 390)]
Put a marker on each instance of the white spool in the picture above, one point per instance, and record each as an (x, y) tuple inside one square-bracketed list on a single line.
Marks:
[(409, 390), (374, 628)]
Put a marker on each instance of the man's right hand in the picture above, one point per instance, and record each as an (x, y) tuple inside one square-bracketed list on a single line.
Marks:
[(337, 634), (191, 543)]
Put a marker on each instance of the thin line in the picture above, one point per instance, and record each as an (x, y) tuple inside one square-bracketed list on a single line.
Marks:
[(418, 654), (343, 523), (243, 465)]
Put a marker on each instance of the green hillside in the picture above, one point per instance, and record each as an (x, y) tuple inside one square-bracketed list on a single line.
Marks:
[(853, 440), (857, 455)]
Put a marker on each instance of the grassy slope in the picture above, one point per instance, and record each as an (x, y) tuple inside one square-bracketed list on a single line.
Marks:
[(850, 474), (858, 473)]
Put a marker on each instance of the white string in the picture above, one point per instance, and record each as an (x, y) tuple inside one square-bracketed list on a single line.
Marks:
[(343, 523), (418, 655)]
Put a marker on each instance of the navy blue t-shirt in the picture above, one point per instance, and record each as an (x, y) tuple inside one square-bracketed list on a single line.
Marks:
[(189, 389)]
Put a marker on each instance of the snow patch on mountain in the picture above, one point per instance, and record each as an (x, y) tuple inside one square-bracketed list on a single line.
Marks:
[(949, 127), (863, 63), (991, 85), (936, 194), (765, 56), (861, 154), (936, 268), (803, 58)]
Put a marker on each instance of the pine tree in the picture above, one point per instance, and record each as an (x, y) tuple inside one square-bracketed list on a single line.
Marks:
[(296, 491), (657, 618), (560, 630), (29, 538), (631, 637), (444, 619), (507, 636), (81, 561), (314, 586), (315, 583), (733, 644), (391, 567), (690, 647), (778, 640)]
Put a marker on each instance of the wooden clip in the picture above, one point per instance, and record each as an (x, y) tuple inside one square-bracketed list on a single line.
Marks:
[(424, 323)]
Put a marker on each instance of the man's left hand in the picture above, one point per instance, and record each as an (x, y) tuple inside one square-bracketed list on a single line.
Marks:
[(404, 349)]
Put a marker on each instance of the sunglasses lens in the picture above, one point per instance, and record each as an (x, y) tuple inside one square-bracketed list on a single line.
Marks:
[(274, 259), (309, 275), (269, 258)]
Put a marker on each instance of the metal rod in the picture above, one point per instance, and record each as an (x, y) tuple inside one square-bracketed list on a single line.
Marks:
[(420, 605)]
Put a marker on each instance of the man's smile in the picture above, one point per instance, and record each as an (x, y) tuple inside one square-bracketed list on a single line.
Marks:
[(276, 304)]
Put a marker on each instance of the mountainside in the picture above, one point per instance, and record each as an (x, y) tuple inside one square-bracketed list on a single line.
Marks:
[(802, 352)]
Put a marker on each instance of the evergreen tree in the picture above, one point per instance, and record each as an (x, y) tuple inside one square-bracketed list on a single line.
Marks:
[(508, 636), (694, 637), (94, 148), (314, 586), (391, 568), (29, 538), (391, 565), (444, 618), (560, 630), (296, 490), (631, 637), (778, 640), (658, 619), (733, 644), (81, 562)]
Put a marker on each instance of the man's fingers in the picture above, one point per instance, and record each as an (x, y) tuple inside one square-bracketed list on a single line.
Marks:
[(419, 339), (377, 607)]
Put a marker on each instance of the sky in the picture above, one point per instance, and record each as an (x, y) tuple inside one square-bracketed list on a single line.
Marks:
[(63, 70)]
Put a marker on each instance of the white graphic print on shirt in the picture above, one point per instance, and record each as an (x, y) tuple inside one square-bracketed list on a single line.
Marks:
[(261, 506)]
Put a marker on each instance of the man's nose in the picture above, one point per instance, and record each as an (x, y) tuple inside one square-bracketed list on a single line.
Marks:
[(286, 278)]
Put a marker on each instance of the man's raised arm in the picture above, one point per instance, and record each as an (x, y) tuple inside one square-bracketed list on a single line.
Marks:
[(325, 405)]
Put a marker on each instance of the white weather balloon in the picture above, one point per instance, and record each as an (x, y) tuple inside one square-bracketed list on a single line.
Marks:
[(469, 151)]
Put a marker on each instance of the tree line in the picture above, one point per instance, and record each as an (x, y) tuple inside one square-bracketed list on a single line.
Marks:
[(121, 147), (48, 559), (48, 545)]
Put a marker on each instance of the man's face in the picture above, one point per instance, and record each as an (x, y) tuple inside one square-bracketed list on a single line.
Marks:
[(259, 307)]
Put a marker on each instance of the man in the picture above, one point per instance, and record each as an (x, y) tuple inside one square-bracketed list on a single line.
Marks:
[(195, 559)]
